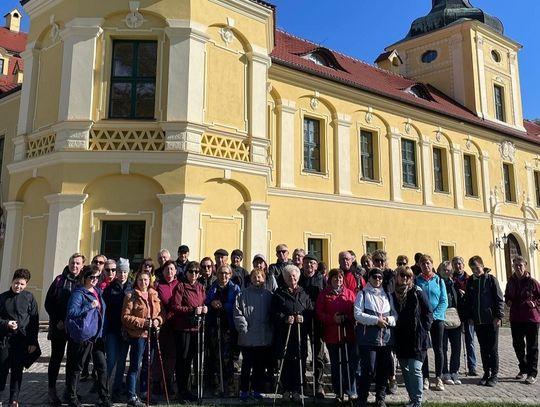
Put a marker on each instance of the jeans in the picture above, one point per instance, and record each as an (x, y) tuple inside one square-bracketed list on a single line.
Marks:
[(437, 334), (135, 359), (469, 345), (116, 349), (525, 336), (454, 337), (488, 339), (335, 367), (411, 370), (374, 361)]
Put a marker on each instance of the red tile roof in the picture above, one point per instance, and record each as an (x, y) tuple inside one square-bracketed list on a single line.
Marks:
[(12, 41), (360, 75), (7, 87)]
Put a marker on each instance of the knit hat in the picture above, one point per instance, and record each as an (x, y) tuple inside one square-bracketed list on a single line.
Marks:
[(123, 264), (237, 252)]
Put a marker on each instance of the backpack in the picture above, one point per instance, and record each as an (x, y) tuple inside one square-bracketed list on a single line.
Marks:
[(84, 327)]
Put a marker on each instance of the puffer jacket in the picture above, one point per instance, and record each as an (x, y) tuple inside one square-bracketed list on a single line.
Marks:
[(435, 291), (114, 296), (226, 312), (484, 299), (137, 311), (370, 304), (252, 317), (185, 299), (80, 303), (330, 303), (521, 293)]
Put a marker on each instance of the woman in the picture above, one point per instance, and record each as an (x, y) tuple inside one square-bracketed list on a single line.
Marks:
[(19, 325), (116, 345), (292, 311), (207, 274), (522, 295), (185, 313), (148, 266), (140, 314), (86, 304), (109, 274), (259, 262), (334, 308), (485, 306), (376, 316), (435, 290), (412, 332), (253, 324), (165, 289), (450, 373)]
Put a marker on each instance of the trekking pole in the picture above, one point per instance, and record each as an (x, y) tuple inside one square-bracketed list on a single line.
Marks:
[(313, 354), (201, 365), (162, 368), (347, 360), (340, 364), (219, 355), (464, 348), (281, 364), (148, 346), (300, 363)]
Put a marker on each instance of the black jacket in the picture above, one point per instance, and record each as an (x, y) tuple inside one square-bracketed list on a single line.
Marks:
[(114, 296), (484, 299), (58, 295), (240, 277), (22, 308)]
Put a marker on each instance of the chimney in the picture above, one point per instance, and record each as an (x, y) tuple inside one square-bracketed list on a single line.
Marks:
[(13, 20), (389, 61)]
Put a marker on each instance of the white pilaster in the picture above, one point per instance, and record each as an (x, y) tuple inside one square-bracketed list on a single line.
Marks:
[(395, 163), (259, 62), (486, 185), (286, 154), (11, 242), (76, 87), (257, 228), (482, 86), (457, 169), (517, 109), (28, 93), (343, 154), (456, 47), (63, 233), (427, 171), (531, 189)]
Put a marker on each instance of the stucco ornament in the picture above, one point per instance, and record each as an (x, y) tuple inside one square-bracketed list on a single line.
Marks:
[(369, 115), (55, 29), (134, 19), (314, 103), (408, 126), (507, 150), (226, 35)]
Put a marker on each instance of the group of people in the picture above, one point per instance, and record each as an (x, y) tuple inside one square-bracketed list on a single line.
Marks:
[(180, 316)]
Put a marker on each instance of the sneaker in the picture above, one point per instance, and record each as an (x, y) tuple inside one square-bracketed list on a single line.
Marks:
[(54, 400), (257, 396), (392, 386), (492, 381), (426, 384), (296, 397), (530, 380), (188, 396), (520, 376), (135, 402), (447, 379), (455, 379), (287, 396), (319, 393), (472, 372), (380, 403), (483, 380), (439, 385), (244, 395)]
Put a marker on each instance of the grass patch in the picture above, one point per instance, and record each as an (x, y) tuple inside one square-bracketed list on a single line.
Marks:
[(330, 403)]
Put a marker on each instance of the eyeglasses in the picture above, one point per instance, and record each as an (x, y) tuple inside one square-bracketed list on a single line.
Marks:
[(402, 263), (405, 275), (377, 277), (94, 277), (224, 273), (110, 270), (282, 251), (147, 265), (206, 266), (98, 262), (194, 271)]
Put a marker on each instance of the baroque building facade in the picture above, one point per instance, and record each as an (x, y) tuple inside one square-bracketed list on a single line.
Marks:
[(141, 125)]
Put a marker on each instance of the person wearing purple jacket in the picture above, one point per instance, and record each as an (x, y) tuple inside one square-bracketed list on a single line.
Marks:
[(522, 295)]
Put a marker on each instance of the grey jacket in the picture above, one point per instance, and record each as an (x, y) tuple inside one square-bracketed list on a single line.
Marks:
[(251, 317)]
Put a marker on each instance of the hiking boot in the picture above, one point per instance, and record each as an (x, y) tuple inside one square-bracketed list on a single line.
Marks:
[(439, 385), (492, 381), (54, 401), (530, 379), (472, 372), (296, 397), (287, 396), (244, 395), (257, 396), (135, 402), (483, 380), (392, 386), (426, 384), (319, 393)]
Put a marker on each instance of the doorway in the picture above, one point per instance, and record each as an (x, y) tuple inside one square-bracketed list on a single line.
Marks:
[(124, 239), (511, 250)]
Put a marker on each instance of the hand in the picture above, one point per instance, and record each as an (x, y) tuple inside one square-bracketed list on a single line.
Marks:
[(461, 292), (216, 304), (60, 325), (338, 319), (147, 323), (198, 310), (290, 319), (299, 318), (31, 348), (496, 322), (95, 304), (204, 309), (382, 322), (532, 304), (12, 325), (155, 323)]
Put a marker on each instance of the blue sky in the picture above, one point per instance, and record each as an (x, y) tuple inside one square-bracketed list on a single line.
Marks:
[(363, 28)]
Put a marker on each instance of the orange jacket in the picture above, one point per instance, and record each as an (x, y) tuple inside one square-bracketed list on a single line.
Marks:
[(137, 310)]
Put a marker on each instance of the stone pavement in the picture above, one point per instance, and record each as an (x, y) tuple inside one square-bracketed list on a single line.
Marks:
[(34, 390)]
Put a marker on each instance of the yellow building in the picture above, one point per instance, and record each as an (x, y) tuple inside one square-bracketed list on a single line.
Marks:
[(145, 124)]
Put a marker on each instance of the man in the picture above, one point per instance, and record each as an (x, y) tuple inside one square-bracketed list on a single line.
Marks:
[(298, 257), (460, 278), (276, 269), (402, 260), (346, 265), (99, 262), (221, 257), (240, 275), (182, 261), (416, 266), (162, 256), (312, 281), (522, 295)]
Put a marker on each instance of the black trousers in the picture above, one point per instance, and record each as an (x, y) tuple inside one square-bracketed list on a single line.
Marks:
[(12, 357), (488, 339), (437, 336), (76, 355), (58, 348), (318, 357), (186, 351), (253, 368), (373, 362), (525, 342)]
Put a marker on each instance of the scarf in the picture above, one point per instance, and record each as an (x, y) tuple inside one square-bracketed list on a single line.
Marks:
[(401, 292)]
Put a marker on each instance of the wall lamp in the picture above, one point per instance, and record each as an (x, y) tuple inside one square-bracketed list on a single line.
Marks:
[(501, 243)]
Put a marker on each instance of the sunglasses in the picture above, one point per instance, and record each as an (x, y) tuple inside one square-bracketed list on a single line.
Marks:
[(377, 277), (282, 251), (378, 260), (402, 263), (147, 265), (93, 277), (110, 270), (194, 271), (98, 262), (206, 266), (405, 275)]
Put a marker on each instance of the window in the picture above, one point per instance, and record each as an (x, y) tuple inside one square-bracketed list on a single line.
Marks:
[(408, 161), (312, 145), (367, 155), (439, 170), (447, 252), (509, 190), (498, 92), (469, 174), (372, 245), (317, 248), (124, 239), (537, 187), (429, 56), (495, 56), (133, 80), (1, 66)]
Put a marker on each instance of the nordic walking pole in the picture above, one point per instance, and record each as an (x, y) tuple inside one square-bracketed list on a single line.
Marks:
[(313, 354), (340, 364), (300, 363), (347, 360), (281, 364), (201, 366), (219, 355), (149, 344), (162, 369)]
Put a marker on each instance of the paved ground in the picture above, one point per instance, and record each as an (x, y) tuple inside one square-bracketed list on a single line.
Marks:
[(34, 391)]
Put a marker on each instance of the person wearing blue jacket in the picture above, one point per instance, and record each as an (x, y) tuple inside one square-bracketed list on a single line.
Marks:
[(435, 290), (84, 323), (220, 300)]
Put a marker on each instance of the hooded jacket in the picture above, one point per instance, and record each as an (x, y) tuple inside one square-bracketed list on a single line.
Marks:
[(521, 292), (435, 291), (252, 318), (80, 303), (137, 311), (114, 296), (484, 299)]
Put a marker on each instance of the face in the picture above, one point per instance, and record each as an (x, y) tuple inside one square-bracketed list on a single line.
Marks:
[(337, 281), (447, 271), (147, 265), (345, 261), (206, 269), (291, 279), (223, 277), (192, 274), (169, 273), (401, 262), (122, 275), (18, 285), (403, 278), (92, 280), (220, 260), (257, 279), (163, 257), (376, 280), (183, 257), (99, 262), (282, 254), (298, 258), (110, 271), (236, 260), (143, 282), (310, 266), (379, 262), (520, 268), (367, 264), (427, 267), (477, 269), (75, 265), (259, 263), (458, 267)]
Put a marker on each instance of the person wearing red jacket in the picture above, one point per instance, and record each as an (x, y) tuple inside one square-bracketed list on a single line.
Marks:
[(346, 265), (334, 308)]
